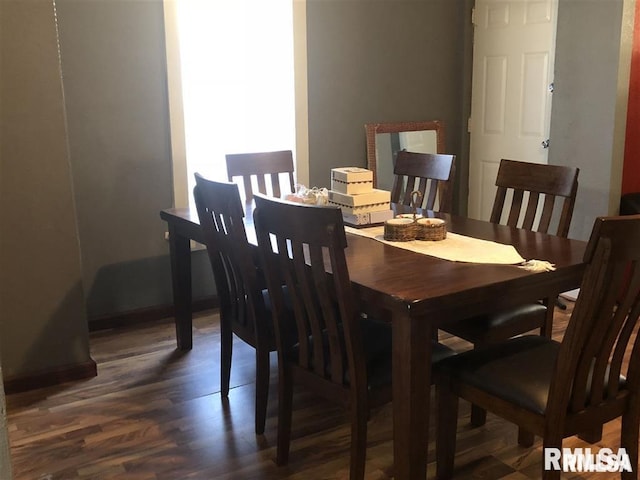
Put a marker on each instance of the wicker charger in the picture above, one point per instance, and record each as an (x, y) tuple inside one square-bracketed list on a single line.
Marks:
[(431, 229)]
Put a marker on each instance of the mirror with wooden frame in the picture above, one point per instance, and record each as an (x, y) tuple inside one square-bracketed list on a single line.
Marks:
[(384, 140)]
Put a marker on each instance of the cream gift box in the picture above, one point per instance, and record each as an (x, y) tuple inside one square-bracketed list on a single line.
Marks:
[(373, 201), (351, 180), (370, 218)]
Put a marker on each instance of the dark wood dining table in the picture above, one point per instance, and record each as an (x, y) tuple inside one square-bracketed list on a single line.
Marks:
[(417, 293)]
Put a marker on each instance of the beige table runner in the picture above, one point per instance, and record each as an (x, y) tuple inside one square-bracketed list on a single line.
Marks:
[(456, 248)]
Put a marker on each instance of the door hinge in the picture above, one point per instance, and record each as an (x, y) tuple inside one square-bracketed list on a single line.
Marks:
[(469, 124), (473, 16)]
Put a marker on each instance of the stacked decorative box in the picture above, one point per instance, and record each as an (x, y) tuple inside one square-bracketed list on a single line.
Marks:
[(352, 190)]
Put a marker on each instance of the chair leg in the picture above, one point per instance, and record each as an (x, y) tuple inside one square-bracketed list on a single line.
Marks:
[(285, 412), (446, 426), (359, 416), (435, 334), (226, 350), (263, 372), (592, 436), (547, 327), (525, 437), (560, 304), (630, 437), (478, 416)]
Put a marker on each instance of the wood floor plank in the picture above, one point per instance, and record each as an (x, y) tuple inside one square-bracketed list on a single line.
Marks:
[(154, 413)]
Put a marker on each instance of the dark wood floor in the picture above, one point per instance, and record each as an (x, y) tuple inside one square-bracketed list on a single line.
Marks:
[(155, 413)]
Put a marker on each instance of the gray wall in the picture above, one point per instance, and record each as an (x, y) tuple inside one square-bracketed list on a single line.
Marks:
[(41, 294), (584, 102), (113, 62)]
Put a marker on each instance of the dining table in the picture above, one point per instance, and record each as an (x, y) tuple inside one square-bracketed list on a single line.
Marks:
[(417, 294)]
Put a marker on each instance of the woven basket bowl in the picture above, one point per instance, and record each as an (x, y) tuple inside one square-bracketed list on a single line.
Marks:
[(431, 229), (400, 230)]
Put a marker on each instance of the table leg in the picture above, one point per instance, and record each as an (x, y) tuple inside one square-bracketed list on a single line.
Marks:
[(180, 252), (411, 395)]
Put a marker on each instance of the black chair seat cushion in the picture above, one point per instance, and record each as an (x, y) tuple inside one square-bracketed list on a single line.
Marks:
[(500, 325), (518, 370)]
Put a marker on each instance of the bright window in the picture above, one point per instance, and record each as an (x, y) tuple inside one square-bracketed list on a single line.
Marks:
[(236, 69)]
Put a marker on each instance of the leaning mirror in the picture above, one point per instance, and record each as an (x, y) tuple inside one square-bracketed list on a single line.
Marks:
[(384, 140)]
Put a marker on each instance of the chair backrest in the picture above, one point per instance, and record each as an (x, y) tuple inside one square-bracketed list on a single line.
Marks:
[(308, 241), (540, 181), (264, 168), (428, 173), (232, 261), (601, 330)]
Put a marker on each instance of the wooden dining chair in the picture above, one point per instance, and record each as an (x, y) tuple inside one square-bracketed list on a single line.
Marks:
[(542, 196), (560, 389), (262, 169), (241, 291), (428, 173), (336, 353)]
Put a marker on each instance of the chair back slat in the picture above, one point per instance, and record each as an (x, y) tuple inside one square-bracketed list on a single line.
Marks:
[(330, 318), (263, 168), (432, 187), (565, 217), (633, 372), (310, 241), (275, 184), (532, 208), (248, 187), (604, 322), (547, 213), (262, 185), (310, 308), (221, 216), (632, 306), (430, 174), (598, 349), (516, 206), (498, 204), (528, 184), (283, 264)]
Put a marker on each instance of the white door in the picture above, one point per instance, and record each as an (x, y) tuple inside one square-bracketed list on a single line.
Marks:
[(514, 43)]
